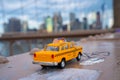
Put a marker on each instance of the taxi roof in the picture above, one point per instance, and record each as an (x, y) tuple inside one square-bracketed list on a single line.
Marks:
[(58, 44)]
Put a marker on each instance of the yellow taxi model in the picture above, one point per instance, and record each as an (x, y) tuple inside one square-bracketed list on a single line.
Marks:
[(57, 54)]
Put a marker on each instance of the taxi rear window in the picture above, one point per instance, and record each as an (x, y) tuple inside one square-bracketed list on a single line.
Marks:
[(52, 48)]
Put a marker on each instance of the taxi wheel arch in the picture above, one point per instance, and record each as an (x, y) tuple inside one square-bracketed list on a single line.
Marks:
[(62, 64), (79, 56)]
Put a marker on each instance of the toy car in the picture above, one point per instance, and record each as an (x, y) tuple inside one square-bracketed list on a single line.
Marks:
[(57, 53)]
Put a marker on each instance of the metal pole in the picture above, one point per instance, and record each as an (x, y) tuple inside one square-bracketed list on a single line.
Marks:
[(11, 47), (29, 44)]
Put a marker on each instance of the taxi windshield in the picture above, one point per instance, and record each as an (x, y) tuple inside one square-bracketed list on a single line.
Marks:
[(52, 48)]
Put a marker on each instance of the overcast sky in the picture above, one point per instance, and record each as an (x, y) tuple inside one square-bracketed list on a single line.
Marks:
[(34, 11)]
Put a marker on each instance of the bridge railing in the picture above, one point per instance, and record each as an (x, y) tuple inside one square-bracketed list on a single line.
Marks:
[(24, 41)]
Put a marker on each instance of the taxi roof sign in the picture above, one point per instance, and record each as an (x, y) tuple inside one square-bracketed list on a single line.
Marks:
[(59, 40)]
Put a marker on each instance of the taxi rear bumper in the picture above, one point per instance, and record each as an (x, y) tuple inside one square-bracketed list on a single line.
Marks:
[(46, 63)]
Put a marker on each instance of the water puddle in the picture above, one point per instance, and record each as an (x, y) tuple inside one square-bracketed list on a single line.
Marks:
[(65, 74), (92, 61), (93, 58)]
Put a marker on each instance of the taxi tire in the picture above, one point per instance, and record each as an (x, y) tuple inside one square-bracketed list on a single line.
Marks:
[(43, 66), (62, 64), (78, 57)]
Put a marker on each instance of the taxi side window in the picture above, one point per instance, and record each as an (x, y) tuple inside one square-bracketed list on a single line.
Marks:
[(64, 47), (71, 45)]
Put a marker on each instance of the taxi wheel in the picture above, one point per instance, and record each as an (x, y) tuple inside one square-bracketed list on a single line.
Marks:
[(43, 66), (78, 57), (62, 64)]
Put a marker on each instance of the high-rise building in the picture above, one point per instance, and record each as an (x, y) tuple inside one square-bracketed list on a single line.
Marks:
[(14, 25), (64, 27), (98, 21), (72, 20), (60, 22), (42, 27), (49, 24), (6, 29), (57, 22), (116, 15), (85, 23), (72, 17), (75, 24), (24, 26)]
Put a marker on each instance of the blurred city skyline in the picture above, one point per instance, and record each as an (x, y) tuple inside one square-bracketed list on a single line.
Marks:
[(34, 11)]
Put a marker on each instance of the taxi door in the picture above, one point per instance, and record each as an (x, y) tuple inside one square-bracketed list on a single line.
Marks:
[(66, 52), (72, 49)]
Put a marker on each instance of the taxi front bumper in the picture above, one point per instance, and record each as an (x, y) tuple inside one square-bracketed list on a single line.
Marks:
[(46, 63)]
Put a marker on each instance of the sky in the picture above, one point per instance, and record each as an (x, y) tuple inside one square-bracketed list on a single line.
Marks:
[(34, 11)]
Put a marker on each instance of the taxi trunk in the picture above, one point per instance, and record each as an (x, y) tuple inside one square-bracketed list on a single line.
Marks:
[(44, 56)]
